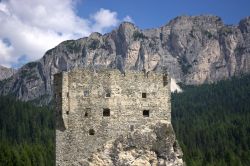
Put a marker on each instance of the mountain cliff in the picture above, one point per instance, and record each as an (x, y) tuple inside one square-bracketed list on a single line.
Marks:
[(192, 49), (6, 72)]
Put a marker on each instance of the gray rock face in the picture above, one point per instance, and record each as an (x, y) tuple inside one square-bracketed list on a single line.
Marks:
[(6, 72), (193, 49), (149, 146)]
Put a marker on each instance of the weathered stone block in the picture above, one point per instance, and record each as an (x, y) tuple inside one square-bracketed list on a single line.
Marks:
[(95, 107)]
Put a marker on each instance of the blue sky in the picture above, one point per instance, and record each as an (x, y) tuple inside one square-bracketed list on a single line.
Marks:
[(154, 13), (29, 28)]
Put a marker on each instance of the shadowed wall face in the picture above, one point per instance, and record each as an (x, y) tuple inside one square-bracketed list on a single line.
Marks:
[(92, 108)]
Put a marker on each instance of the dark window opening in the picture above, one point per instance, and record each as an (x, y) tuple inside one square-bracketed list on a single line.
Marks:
[(67, 94), (108, 94), (146, 113), (144, 95), (165, 80), (67, 112), (87, 112), (91, 132), (106, 112), (86, 93), (131, 127)]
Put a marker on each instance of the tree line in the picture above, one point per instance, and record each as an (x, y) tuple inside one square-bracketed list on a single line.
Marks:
[(211, 121), (26, 134)]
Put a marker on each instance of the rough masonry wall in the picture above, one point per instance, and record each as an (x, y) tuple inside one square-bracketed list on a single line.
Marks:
[(82, 96)]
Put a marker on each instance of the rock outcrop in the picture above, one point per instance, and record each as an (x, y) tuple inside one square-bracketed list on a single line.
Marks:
[(6, 72), (192, 49), (149, 146)]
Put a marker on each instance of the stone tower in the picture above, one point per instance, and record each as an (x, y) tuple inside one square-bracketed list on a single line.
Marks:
[(94, 107)]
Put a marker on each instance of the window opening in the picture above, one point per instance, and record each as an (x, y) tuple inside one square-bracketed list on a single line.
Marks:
[(87, 112), (146, 113), (106, 112), (165, 80), (91, 132), (86, 93), (108, 94), (131, 127)]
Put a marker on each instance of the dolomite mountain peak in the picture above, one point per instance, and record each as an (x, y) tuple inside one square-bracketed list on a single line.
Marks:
[(6, 72), (191, 49)]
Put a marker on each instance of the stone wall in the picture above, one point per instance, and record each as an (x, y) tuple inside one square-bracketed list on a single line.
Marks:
[(94, 107)]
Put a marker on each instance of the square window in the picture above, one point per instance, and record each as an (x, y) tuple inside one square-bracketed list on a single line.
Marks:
[(91, 132), (86, 93), (144, 95), (106, 112), (108, 94), (146, 113)]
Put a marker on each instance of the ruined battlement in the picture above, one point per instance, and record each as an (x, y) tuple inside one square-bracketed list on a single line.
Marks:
[(94, 106)]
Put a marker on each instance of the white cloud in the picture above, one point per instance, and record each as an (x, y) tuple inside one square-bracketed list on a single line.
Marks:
[(32, 27), (5, 52), (3, 8), (104, 19), (128, 19)]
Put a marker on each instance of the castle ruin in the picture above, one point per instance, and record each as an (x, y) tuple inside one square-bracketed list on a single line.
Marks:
[(94, 107)]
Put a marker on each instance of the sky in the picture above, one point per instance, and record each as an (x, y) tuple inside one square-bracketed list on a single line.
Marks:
[(30, 27)]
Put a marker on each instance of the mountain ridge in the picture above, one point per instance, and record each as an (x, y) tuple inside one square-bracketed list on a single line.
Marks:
[(6, 72), (192, 49)]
